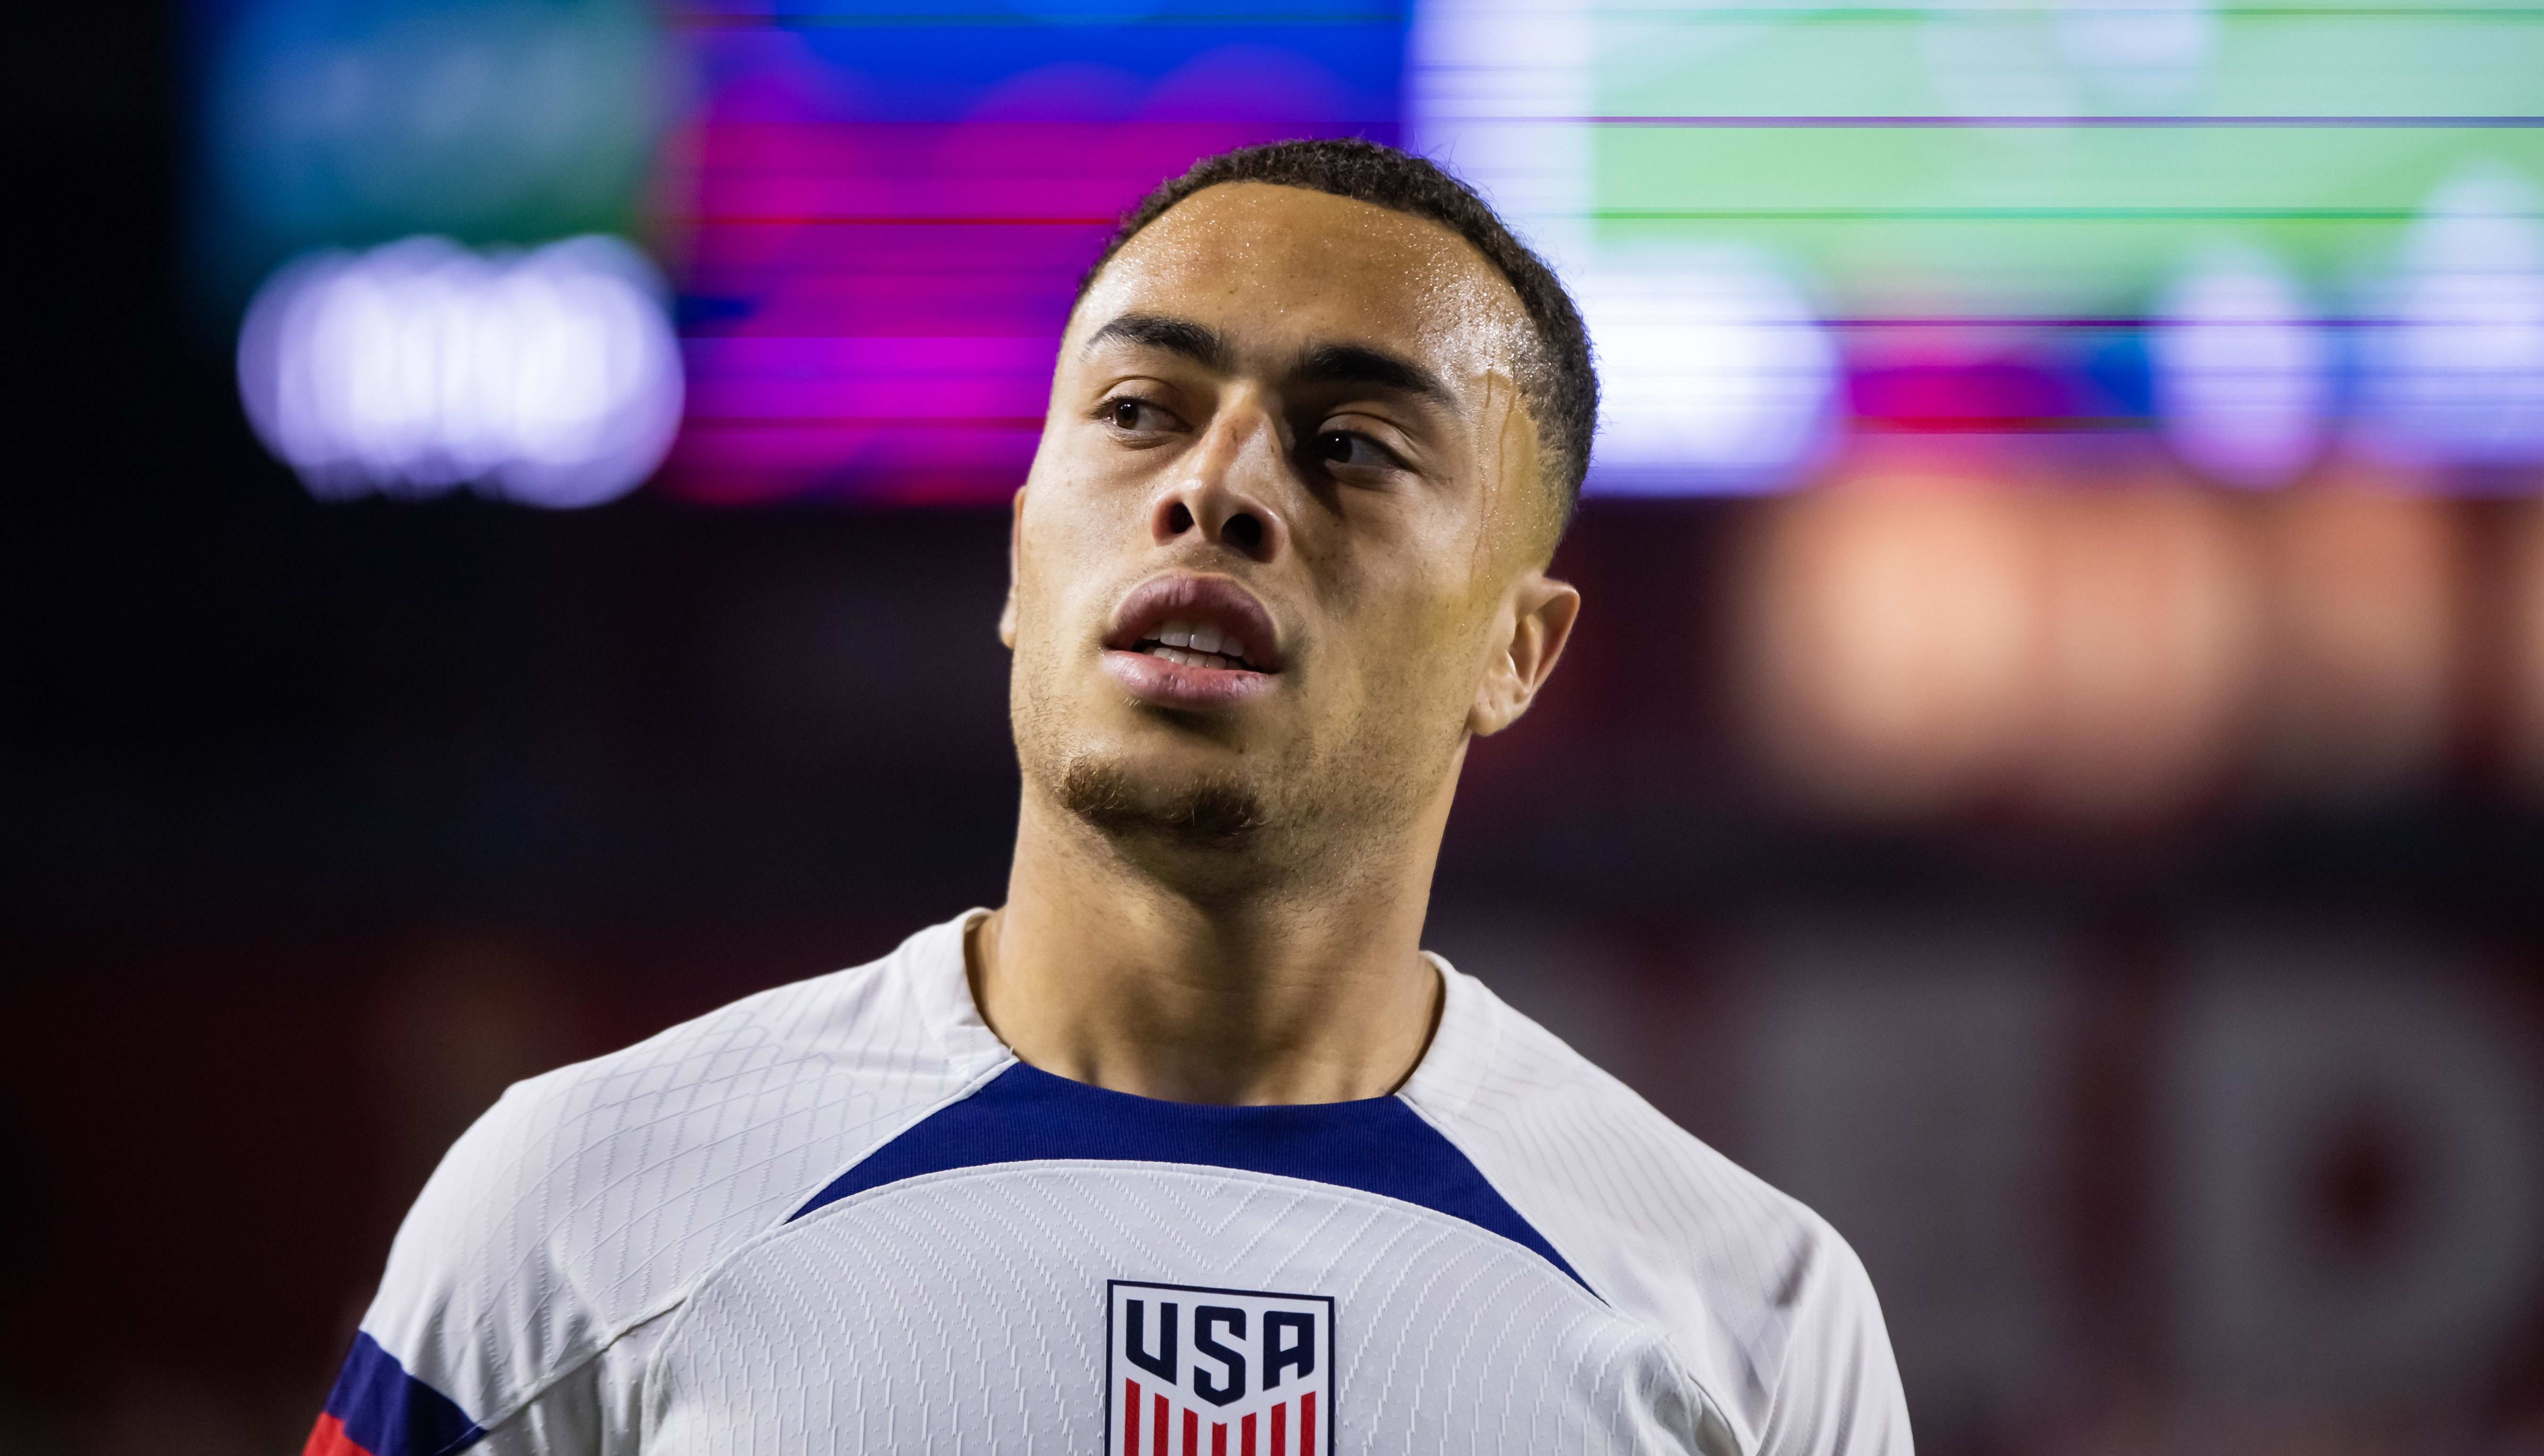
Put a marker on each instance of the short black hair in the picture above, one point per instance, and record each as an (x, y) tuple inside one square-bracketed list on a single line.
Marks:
[(1559, 383)]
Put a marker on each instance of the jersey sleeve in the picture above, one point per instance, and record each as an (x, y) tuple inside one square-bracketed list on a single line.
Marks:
[(1838, 1390), (584, 1206), (476, 1328)]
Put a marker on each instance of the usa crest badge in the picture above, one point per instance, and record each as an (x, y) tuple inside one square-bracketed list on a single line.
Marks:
[(1217, 1373)]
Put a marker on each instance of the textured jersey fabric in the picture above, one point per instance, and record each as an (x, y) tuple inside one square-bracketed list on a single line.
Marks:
[(841, 1216)]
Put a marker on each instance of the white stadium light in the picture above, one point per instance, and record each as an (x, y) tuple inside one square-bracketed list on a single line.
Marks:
[(2243, 371), (549, 377), (2456, 368), (1716, 377)]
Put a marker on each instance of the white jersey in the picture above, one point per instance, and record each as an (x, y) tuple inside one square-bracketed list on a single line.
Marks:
[(842, 1216)]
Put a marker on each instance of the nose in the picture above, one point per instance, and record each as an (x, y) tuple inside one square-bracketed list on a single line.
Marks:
[(1224, 488)]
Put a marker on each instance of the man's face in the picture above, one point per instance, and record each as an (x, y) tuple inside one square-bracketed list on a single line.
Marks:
[(1283, 505)]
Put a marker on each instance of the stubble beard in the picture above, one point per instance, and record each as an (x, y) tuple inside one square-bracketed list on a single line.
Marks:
[(1277, 822), (1221, 812), (1278, 829), (1297, 820)]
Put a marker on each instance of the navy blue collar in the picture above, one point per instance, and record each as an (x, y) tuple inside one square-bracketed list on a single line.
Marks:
[(1377, 1145)]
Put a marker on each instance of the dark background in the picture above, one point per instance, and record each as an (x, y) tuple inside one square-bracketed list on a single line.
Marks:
[(320, 823)]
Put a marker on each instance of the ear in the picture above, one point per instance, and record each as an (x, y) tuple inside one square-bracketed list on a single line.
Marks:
[(1541, 613), (1015, 543)]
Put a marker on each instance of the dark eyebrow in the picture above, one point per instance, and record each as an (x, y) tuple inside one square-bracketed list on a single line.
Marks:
[(1203, 346), (1353, 363), (1323, 363)]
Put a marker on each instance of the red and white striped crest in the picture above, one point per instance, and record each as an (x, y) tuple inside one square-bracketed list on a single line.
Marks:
[(1217, 1373)]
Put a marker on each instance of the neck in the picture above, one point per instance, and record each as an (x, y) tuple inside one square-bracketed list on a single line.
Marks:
[(1306, 988)]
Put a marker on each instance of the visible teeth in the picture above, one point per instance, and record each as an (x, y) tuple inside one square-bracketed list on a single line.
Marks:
[(1186, 657), (1205, 639), (1176, 634)]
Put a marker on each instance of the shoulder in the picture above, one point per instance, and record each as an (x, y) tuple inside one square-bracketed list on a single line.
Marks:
[(1753, 1288), (590, 1199)]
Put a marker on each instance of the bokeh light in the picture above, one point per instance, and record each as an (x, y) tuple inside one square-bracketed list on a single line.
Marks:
[(2148, 636), (2243, 372), (2455, 370), (1924, 643), (1714, 377), (549, 377), (1891, 632)]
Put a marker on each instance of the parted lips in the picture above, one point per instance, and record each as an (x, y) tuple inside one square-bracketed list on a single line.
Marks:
[(1197, 622)]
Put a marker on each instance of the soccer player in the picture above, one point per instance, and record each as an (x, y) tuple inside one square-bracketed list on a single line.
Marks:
[(1188, 1148)]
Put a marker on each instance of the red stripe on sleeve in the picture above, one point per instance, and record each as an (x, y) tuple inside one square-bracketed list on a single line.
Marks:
[(328, 1438)]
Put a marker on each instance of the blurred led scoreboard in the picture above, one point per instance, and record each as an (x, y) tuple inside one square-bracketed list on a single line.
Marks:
[(2264, 236)]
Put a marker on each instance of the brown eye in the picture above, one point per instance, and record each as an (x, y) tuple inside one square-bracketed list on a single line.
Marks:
[(1126, 413), (1355, 451)]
